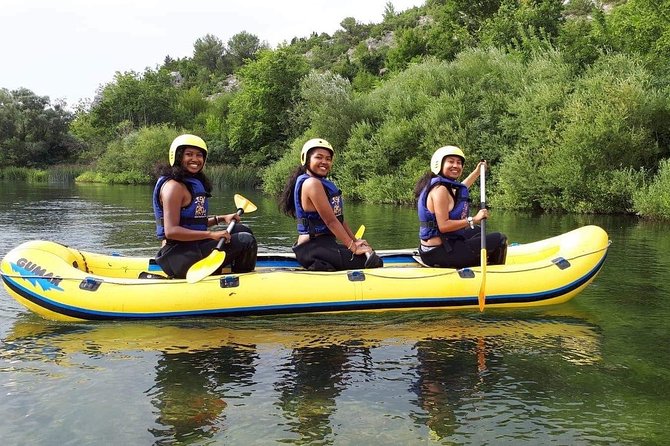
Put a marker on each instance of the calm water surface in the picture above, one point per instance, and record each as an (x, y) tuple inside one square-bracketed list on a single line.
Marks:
[(594, 371)]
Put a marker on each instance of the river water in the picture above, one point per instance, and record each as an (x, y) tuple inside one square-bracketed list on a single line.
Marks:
[(593, 371)]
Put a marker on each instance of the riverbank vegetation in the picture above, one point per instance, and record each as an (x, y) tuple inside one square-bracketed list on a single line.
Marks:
[(568, 101)]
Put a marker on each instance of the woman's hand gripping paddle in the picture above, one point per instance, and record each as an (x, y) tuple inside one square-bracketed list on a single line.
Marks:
[(205, 267), (482, 205), (371, 258)]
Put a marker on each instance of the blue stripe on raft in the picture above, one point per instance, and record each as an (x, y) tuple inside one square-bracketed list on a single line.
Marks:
[(277, 263), (403, 258), (377, 304)]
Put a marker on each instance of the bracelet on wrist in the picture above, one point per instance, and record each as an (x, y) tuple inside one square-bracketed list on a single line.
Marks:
[(350, 244)]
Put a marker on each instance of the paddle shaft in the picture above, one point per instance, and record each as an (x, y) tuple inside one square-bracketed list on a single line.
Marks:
[(482, 202), (231, 225), (481, 298), (204, 267)]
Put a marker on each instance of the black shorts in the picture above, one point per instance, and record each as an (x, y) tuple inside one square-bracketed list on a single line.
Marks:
[(175, 258), (324, 253), (462, 253)]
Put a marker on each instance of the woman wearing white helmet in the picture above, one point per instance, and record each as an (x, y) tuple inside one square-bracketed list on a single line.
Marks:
[(180, 202), (446, 230), (316, 203)]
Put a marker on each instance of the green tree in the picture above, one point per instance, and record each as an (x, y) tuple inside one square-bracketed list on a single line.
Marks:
[(527, 27), (400, 123), (455, 25), (34, 132), (132, 158), (530, 125), (610, 123), (582, 144), (190, 109), (653, 200), (140, 100), (643, 27), (352, 31), (259, 119), (410, 47), (389, 11), (243, 46), (581, 39), (326, 109), (208, 52)]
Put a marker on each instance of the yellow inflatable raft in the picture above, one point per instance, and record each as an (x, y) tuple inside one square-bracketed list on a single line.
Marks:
[(64, 283)]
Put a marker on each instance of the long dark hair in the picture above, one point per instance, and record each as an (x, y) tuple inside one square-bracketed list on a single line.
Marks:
[(178, 173), (287, 197), (422, 183)]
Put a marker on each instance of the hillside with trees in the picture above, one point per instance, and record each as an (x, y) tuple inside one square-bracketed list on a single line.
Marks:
[(569, 102)]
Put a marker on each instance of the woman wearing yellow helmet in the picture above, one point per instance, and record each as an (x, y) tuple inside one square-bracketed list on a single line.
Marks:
[(446, 230), (180, 202), (316, 203)]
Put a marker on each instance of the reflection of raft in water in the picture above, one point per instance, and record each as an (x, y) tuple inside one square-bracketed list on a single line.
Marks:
[(578, 339), (64, 283)]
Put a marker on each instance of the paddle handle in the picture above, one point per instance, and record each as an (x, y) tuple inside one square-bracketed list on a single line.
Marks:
[(358, 235), (231, 225)]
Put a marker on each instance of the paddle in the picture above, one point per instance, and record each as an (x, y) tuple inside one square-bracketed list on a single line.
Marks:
[(205, 267), (482, 205), (368, 255)]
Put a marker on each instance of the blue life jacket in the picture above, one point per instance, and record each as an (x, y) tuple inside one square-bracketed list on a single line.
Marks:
[(311, 222), (428, 227), (193, 216)]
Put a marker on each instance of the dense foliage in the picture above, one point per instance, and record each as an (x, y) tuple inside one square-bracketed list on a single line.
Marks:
[(569, 102), (33, 132)]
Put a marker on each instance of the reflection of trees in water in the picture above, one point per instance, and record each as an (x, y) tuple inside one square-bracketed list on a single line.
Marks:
[(189, 393), (448, 372), (310, 381)]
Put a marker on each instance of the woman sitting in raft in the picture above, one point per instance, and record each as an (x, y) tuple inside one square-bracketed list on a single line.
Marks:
[(447, 232), (317, 205), (180, 202)]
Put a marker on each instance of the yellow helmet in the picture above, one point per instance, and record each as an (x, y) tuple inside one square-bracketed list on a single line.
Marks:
[(186, 140), (438, 157), (313, 143)]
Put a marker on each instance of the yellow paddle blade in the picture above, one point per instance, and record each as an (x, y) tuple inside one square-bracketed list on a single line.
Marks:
[(244, 204), (205, 267), (482, 288), (360, 232)]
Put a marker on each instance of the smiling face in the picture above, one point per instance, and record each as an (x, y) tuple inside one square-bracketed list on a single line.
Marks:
[(452, 167), (320, 161), (193, 159)]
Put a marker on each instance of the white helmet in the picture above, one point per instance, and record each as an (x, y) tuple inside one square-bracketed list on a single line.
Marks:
[(312, 144), (438, 157), (186, 140)]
